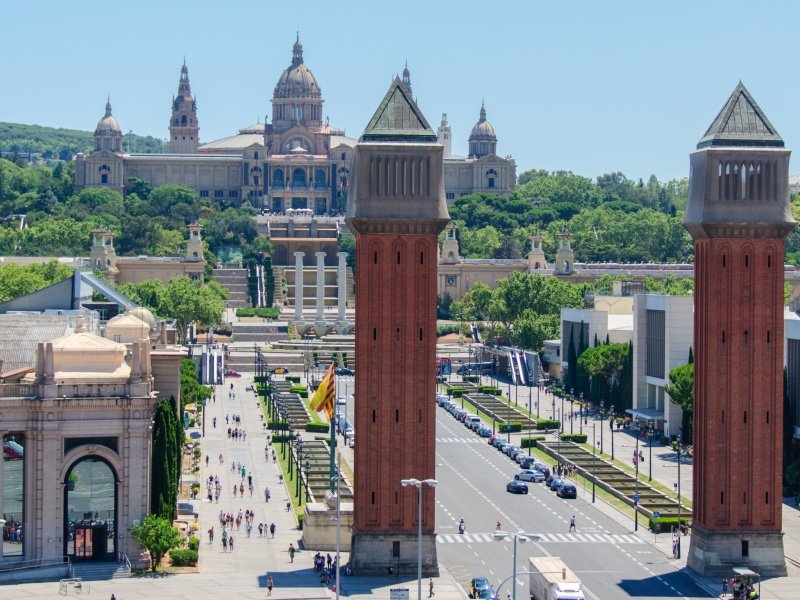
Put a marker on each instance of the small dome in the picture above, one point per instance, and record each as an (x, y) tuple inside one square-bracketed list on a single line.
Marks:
[(127, 329), (108, 125), (143, 314), (483, 129), (297, 81), (85, 357)]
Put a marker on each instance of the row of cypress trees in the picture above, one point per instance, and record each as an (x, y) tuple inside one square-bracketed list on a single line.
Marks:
[(168, 436)]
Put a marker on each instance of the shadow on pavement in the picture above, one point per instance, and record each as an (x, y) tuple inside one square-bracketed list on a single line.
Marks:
[(667, 585)]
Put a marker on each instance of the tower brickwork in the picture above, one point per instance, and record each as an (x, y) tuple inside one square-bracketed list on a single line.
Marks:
[(183, 126), (397, 212), (738, 213)]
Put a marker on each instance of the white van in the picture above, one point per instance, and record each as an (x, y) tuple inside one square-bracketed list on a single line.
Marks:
[(473, 422)]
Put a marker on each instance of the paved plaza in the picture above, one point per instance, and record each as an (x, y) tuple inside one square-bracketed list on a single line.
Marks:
[(242, 574)]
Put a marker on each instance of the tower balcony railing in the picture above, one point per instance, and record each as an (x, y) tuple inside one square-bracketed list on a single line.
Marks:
[(319, 186), (278, 185)]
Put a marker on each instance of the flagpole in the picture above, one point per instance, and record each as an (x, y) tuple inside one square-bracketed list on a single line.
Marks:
[(332, 444)]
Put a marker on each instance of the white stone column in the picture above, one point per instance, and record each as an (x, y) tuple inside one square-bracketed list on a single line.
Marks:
[(320, 286), (298, 285), (342, 282)]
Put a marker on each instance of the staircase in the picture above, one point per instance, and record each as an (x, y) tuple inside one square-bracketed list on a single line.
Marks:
[(260, 332), (235, 280), (97, 571)]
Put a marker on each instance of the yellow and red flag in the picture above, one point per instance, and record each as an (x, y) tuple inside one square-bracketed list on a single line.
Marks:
[(325, 395)]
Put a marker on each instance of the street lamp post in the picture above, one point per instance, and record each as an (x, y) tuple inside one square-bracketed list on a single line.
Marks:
[(418, 484), (651, 432), (580, 412), (336, 479), (500, 536), (602, 416), (594, 457), (612, 433), (678, 485), (636, 491)]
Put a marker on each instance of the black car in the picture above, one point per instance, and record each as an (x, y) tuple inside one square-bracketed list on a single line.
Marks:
[(516, 487), (344, 371), (567, 491), (477, 585), (555, 483)]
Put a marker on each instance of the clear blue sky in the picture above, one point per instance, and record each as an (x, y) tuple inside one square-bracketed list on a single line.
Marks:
[(590, 87)]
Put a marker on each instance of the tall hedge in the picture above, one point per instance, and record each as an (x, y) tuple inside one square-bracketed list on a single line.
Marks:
[(166, 461)]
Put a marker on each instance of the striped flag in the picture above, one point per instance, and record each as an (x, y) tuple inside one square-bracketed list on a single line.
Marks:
[(324, 396)]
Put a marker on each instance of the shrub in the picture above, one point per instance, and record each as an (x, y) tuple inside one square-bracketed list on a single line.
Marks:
[(578, 438), (471, 379), (456, 392), (183, 558), (280, 439), (194, 543), (667, 523), (293, 378), (264, 313), (446, 330), (531, 441), (318, 427), (547, 424), (489, 389), (512, 426), (663, 440)]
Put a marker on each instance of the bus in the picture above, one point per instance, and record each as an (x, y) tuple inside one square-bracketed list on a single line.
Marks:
[(484, 368)]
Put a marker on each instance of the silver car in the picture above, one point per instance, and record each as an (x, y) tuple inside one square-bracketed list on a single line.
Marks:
[(530, 475)]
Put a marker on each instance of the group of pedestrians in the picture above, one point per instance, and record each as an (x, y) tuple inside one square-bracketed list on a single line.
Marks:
[(213, 487), (563, 470)]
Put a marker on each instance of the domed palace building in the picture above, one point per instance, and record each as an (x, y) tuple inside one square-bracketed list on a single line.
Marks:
[(298, 161)]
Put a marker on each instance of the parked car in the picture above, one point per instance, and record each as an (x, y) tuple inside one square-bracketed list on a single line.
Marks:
[(520, 456), (567, 490), (529, 475), (487, 594), (280, 371), (491, 439), (344, 371), (232, 373), (511, 450), (341, 400), (442, 399), (556, 483), (484, 431), (516, 487), (501, 445)]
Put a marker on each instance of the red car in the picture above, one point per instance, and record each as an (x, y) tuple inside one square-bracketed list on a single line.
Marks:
[(230, 373), (492, 438), (12, 450)]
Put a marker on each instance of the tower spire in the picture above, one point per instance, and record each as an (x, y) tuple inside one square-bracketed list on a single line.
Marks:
[(108, 105), (407, 79), (483, 111), (297, 52)]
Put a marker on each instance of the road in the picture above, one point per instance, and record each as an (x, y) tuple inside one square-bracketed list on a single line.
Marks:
[(609, 559)]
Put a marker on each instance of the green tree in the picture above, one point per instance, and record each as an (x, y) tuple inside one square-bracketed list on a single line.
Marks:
[(192, 391), (157, 535), (606, 361), (18, 280), (189, 301), (681, 392)]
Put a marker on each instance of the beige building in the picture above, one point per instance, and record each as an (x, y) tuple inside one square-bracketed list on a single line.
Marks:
[(134, 269), (297, 161), (76, 439)]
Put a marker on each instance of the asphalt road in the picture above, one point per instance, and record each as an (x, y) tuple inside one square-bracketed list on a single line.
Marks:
[(609, 559)]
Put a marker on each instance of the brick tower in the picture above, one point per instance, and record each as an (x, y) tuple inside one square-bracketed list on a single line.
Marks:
[(397, 212), (738, 214)]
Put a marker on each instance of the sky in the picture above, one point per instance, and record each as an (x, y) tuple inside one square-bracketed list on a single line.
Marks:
[(587, 86)]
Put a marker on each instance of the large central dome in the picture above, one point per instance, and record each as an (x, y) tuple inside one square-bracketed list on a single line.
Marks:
[(297, 81)]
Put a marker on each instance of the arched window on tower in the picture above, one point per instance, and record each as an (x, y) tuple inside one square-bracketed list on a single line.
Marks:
[(183, 120), (319, 178), (255, 155), (277, 178)]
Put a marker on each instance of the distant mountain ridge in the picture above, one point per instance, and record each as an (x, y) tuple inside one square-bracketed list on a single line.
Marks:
[(63, 144)]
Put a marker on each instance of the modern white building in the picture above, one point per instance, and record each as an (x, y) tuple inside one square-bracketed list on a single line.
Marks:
[(663, 329)]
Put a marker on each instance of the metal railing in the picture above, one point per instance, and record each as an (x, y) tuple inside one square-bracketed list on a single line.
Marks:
[(17, 390), (124, 562), (35, 563)]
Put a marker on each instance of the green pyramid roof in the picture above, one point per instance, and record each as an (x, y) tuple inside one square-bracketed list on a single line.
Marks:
[(398, 119), (741, 122)]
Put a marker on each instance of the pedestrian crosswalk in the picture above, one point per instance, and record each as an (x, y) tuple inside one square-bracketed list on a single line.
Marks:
[(545, 538), (458, 440)]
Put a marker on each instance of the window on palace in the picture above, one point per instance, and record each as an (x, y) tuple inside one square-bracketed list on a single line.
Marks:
[(219, 193), (204, 193)]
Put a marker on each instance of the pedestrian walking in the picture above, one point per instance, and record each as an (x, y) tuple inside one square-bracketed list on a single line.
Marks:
[(291, 552), (266, 494), (572, 523), (230, 543), (430, 588), (113, 597), (270, 583), (272, 530)]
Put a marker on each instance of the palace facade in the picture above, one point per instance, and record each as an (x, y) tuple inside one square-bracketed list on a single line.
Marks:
[(298, 161)]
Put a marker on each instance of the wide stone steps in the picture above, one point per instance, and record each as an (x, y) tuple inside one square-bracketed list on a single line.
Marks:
[(99, 571)]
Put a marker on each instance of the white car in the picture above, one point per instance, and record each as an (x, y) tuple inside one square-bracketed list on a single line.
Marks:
[(529, 475), (341, 400)]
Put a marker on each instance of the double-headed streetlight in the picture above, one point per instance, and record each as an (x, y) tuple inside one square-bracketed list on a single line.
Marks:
[(651, 431), (419, 485), (522, 537)]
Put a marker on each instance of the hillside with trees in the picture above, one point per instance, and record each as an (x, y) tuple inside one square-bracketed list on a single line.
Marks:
[(62, 144), (612, 218), (58, 221)]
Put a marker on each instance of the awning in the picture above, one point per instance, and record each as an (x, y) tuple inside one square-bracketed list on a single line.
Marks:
[(646, 413)]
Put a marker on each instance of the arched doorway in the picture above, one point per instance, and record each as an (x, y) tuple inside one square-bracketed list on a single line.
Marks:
[(90, 510)]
